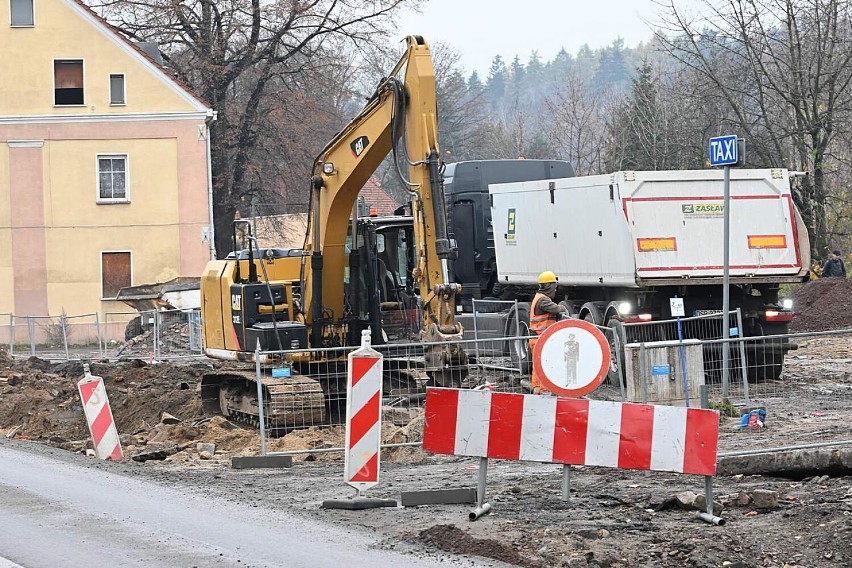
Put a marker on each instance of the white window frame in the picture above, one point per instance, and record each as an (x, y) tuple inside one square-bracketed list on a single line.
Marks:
[(123, 88), (53, 80), (19, 25), (110, 200), (101, 269)]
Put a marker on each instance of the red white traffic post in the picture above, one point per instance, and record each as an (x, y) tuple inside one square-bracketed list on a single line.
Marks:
[(363, 416), (363, 428), (99, 417)]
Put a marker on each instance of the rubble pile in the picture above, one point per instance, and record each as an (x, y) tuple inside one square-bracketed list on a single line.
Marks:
[(174, 339), (823, 304)]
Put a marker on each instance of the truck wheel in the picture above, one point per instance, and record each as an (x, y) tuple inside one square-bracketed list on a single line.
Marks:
[(519, 349), (765, 366), (592, 314), (616, 370), (766, 360)]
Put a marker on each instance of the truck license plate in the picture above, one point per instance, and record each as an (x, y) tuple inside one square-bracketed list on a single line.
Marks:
[(707, 312)]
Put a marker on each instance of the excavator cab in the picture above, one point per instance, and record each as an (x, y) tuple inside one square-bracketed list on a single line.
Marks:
[(384, 296)]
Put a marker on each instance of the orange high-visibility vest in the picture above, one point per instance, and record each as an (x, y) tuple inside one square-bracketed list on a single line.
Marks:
[(538, 323)]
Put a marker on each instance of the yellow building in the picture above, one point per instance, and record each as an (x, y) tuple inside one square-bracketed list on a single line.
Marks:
[(104, 164)]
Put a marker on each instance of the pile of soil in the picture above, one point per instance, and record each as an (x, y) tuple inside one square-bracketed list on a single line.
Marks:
[(39, 401), (41, 397), (822, 305), (453, 539)]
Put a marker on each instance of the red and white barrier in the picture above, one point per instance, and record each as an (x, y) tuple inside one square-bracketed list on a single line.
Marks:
[(99, 417), (363, 416), (571, 431)]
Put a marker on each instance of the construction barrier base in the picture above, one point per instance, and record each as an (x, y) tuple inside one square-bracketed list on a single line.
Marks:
[(258, 462), (438, 497), (358, 503)]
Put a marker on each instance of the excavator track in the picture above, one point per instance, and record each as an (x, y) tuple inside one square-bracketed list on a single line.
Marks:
[(290, 403)]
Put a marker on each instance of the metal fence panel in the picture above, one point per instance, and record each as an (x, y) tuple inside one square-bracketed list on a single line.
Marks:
[(7, 333), (177, 333), (804, 383), (316, 423)]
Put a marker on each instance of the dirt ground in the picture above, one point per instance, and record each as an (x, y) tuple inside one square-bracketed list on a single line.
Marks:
[(614, 517)]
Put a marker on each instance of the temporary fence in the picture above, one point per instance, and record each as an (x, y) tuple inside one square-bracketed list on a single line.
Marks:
[(61, 337), (801, 381), (307, 389), (804, 404), (149, 334)]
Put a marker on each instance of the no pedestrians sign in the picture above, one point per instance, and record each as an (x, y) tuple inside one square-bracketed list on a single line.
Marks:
[(572, 357)]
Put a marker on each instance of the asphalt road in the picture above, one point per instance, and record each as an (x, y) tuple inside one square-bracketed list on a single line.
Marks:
[(56, 513)]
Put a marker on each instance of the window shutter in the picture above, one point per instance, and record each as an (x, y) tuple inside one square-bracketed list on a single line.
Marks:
[(68, 74), (116, 272), (22, 13)]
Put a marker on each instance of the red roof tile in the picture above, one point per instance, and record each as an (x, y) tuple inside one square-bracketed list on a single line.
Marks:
[(376, 197)]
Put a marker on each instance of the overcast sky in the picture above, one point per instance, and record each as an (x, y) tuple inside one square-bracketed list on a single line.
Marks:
[(480, 29)]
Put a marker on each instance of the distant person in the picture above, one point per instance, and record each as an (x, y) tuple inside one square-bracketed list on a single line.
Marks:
[(834, 266)]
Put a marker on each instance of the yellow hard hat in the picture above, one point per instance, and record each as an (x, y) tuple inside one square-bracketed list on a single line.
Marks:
[(546, 277)]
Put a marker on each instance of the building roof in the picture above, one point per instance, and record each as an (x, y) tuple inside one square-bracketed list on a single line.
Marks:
[(375, 197), (166, 74)]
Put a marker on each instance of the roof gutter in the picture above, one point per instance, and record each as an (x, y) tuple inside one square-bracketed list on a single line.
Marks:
[(212, 115)]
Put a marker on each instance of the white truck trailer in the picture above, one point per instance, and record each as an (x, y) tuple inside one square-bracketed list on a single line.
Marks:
[(623, 244)]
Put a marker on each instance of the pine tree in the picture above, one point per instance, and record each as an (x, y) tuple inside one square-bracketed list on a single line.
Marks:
[(496, 83)]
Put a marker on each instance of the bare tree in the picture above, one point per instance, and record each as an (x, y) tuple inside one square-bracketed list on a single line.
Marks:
[(258, 64), (778, 72), (659, 125), (578, 124)]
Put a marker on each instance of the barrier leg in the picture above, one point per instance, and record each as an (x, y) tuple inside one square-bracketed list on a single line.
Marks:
[(482, 508), (566, 482), (708, 516), (261, 417)]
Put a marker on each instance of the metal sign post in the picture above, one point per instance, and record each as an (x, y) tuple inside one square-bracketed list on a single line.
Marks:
[(724, 151), (678, 312)]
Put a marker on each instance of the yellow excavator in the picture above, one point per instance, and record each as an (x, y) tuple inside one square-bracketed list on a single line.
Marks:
[(324, 295)]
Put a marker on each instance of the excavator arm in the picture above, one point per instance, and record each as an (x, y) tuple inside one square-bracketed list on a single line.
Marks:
[(400, 118)]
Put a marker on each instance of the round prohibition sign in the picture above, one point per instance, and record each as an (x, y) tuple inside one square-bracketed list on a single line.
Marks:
[(571, 357)]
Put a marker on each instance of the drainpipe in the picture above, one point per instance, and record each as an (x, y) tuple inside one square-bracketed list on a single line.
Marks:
[(211, 116)]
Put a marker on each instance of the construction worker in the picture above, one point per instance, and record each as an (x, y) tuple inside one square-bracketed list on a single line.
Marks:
[(543, 313)]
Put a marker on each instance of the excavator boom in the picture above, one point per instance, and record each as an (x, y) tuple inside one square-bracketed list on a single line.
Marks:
[(400, 119)]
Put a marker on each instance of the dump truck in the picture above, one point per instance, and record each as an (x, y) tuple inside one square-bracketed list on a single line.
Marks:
[(623, 244)]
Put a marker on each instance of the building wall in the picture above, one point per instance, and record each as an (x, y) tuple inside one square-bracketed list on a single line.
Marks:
[(7, 280), (60, 230)]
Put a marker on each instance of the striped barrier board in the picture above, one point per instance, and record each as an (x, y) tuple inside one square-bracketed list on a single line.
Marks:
[(363, 417), (99, 417), (571, 431)]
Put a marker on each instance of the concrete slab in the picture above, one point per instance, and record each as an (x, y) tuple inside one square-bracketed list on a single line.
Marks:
[(358, 503), (794, 464), (259, 462), (438, 497)]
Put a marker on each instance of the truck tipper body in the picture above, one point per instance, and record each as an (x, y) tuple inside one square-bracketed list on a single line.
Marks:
[(636, 229)]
